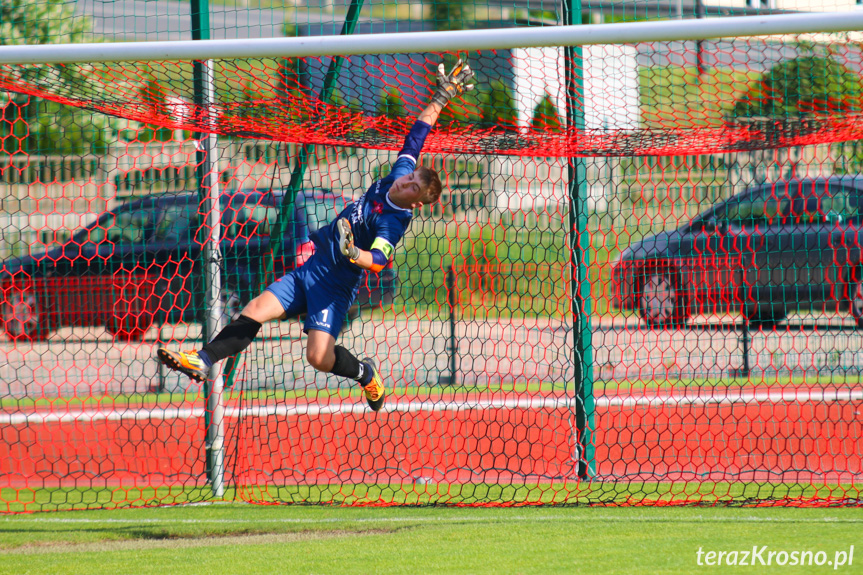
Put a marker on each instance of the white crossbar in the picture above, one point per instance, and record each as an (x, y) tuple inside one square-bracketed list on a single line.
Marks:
[(417, 42)]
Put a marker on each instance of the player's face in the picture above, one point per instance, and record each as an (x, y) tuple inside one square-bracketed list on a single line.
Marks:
[(408, 191)]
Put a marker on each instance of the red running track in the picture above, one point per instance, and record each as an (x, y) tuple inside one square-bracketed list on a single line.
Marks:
[(490, 438)]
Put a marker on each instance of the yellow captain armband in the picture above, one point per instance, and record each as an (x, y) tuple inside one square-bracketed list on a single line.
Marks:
[(384, 246), (381, 251)]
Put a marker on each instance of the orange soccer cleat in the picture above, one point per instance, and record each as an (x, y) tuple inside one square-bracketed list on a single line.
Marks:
[(186, 362), (374, 390)]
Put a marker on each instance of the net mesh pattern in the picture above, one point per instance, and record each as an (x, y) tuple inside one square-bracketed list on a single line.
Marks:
[(642, 284), (646, 99)]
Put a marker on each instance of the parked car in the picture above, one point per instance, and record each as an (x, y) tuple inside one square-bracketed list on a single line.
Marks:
[(140, 263), (769, 250)]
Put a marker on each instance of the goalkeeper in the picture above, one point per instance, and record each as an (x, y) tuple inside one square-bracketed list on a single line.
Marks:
[(363, 237)]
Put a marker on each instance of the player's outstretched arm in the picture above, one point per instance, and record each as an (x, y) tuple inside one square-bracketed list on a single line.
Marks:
[(448, 87)]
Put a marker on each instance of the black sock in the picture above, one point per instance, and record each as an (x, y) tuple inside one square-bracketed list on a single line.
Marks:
[(347, 365), (236, 337)]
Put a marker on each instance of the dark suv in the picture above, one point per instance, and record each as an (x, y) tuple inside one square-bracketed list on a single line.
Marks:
[(140, 263), (768, 250)]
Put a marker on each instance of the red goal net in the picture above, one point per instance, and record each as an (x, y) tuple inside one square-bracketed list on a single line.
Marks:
[(642, 284)]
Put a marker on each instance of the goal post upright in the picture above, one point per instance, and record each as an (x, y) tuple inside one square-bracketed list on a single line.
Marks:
[(211, 253), (304, 151), (579, 251)]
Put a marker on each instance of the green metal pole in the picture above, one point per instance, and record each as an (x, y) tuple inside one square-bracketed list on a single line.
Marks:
[(296, 183), (286, 211), (579, 244), (211, 253)]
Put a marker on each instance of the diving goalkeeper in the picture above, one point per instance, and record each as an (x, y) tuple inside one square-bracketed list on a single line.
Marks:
[(362, 238)]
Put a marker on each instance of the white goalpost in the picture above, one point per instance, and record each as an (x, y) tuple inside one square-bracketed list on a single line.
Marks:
[(412, 42)]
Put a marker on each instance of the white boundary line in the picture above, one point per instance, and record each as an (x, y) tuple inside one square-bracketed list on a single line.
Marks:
[(416, 42), (570, 517), (541, 403)]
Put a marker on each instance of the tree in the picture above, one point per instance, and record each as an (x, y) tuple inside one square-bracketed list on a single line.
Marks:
[(52, 128), (497, 106), (292, 68), (391, 104), (32, 125), (246, 107), (804, 86), (154, 97), (337, 98), (545, 116), (451, 14), (466, 109), (810, 86), (40, 22)]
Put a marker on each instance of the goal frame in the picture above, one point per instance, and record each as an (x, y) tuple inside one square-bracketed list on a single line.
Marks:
[(413, 42), (570, 36)]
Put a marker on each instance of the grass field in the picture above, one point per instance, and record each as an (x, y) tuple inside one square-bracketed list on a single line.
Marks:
[(232, 538), (604, 490)]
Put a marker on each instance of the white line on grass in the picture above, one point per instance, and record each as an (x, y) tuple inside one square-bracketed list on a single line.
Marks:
[(574, 517), (727, 397)]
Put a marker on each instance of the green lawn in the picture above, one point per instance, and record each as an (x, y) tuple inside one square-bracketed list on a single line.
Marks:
[(223, 538), (675, 96), (504, 271)]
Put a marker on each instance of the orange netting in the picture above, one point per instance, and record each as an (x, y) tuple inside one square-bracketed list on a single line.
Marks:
[(654, 103)]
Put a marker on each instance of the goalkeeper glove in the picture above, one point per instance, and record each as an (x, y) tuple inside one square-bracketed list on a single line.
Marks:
[(453, 84), (346, 240)]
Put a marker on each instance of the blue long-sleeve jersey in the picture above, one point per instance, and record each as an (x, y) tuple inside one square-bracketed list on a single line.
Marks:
[(373, 216)]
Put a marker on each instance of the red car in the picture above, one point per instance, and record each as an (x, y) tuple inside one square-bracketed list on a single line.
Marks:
[(140, 263)]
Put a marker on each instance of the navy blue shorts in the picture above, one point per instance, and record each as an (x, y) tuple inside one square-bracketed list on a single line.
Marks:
[(323, 294)]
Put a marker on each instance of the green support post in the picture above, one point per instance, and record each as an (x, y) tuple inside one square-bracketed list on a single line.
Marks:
[(579, 243), (286, 211), (296, 183)]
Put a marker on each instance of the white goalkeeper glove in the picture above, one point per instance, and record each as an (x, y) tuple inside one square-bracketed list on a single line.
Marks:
[(453, 84), (346, 240)]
